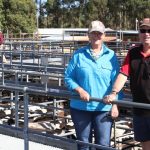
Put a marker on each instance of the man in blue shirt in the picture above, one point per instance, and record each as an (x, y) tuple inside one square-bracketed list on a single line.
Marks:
[(91, 73)]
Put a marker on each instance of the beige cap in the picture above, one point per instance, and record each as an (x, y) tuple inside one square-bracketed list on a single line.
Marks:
[(96, 26), (145, 22)]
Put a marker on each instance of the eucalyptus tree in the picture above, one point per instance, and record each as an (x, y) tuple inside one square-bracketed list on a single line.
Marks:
[(124, 13), (137, 9), (80, 13), (19, 16), (1, 15), (95, 10), (41, 14), (116, 14), (54, 13), (73, 13)]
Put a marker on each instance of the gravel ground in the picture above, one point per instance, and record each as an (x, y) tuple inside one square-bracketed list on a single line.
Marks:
[(12, 143)]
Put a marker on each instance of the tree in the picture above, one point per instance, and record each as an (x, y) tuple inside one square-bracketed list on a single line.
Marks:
[(54, 13), (1, 15), (123, 13), (74, 10), (142, 10), (19, 15), (95, 10)]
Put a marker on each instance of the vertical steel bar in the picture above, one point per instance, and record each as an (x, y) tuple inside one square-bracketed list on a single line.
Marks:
[(11, 54), (2, 71), (16, 102), (20, 52), (16, 109), (54, 111), (26, 138), (46, 77), (11, 104), (27, 78), (33, 56), (21, 61)]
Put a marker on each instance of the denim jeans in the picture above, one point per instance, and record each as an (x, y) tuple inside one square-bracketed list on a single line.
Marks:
[(87, 121)]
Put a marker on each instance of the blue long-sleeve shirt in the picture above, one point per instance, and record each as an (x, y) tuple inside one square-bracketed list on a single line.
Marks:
[(94, 76)]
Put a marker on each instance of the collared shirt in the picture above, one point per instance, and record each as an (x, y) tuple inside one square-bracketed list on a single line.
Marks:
[(137, 67), (125, 68), (94, 76), (95, 55)]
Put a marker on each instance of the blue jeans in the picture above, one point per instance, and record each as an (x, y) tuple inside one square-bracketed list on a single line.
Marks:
[(87, 121)]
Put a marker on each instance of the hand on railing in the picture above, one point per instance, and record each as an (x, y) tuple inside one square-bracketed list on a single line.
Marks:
[(108, 99), (83, 94)]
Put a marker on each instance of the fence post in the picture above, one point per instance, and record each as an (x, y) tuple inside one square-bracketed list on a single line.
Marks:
[(26, 138)]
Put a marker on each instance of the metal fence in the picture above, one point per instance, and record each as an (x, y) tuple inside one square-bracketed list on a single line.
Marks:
[(47, 69)]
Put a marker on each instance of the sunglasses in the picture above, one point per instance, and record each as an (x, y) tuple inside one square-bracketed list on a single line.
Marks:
[(144, 30)]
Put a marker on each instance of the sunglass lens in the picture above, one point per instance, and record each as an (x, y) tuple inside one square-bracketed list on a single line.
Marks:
[(144, 31)]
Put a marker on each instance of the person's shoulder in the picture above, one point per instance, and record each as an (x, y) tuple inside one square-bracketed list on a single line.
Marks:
[(135, 51), (108, 50), (81, 50), (136, 47)]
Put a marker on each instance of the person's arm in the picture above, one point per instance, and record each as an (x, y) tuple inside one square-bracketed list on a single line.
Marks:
[(71, 81), (120, 81), (70, 74), (83, 94), (118, 85)]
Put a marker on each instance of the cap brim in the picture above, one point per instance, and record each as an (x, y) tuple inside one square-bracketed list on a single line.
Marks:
[(144, 24), (92, 30)]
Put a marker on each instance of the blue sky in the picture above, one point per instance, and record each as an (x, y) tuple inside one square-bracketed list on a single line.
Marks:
[(42, 1)]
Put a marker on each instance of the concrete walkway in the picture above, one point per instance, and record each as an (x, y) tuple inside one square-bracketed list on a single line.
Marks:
[(12, 143)]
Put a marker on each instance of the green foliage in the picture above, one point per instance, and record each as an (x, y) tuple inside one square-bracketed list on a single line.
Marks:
[(1, 14), (18, 16), (117, 14)]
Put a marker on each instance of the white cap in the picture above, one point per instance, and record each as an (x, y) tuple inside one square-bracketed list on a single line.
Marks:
[(97, 26), (145, 22)]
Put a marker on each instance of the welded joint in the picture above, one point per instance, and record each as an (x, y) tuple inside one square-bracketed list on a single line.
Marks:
[(25, 89)]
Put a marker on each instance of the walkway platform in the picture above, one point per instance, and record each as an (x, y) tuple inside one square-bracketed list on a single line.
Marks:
[(12, 143)]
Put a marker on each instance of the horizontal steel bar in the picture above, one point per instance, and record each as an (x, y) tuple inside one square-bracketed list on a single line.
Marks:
[(34, 73), (66, 94)]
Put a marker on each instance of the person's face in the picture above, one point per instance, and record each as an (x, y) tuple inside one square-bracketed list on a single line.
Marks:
[(96, 38), (145, 35)]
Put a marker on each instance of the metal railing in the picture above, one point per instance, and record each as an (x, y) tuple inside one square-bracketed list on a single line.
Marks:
[(21, 89)]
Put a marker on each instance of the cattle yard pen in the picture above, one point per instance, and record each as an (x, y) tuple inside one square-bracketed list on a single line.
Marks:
[(34, 101)]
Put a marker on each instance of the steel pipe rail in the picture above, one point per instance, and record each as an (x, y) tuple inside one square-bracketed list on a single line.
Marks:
[(26, 131), (35, 52), (53, 139), (34, 73), (66, 94), (51, 92), (27, 88), (35, 68)]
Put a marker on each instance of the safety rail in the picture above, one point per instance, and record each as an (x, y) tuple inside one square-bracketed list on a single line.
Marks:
[(20, 89), (57, 94), (49, 92)]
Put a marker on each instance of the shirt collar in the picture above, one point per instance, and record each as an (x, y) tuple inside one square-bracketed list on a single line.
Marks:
[(104, 49), (145, 54)]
